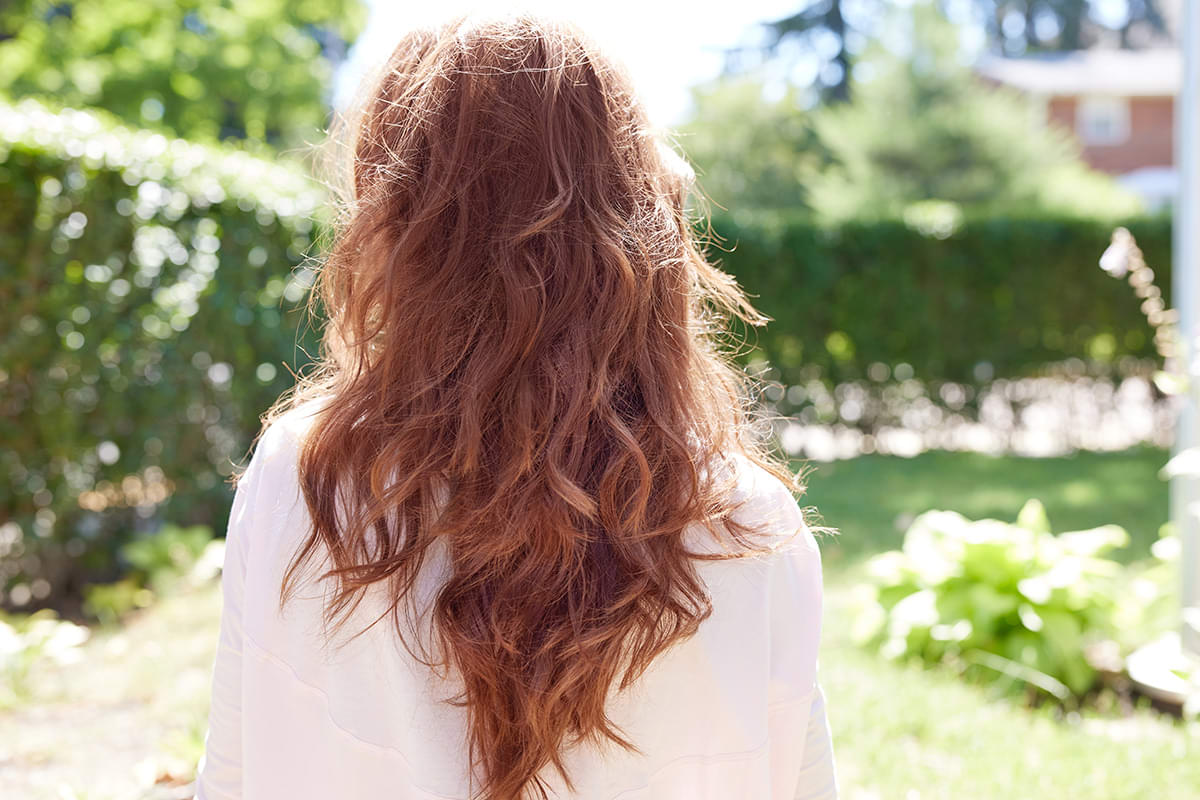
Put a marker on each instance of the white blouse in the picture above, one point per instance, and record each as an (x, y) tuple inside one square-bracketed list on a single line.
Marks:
[(733, 712)]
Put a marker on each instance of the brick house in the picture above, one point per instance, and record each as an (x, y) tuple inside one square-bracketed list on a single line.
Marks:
[(1119, 104)]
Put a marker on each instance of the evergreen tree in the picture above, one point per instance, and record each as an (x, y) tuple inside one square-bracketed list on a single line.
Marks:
[(1019, 26)]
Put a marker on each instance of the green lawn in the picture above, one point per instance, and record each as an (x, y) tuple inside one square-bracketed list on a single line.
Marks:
[(133, 711), (868, 498)]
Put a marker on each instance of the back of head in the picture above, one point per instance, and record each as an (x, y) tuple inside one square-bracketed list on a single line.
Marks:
[(520, 321)]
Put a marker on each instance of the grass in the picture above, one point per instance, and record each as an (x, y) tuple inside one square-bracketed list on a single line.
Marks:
[(870, 499), (134, 710)]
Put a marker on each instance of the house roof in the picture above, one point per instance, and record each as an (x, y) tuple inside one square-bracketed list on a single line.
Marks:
[(1135, 73)]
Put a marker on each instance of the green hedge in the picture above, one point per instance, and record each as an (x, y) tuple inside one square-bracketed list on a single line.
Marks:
[(152, 291), (1015, 293)]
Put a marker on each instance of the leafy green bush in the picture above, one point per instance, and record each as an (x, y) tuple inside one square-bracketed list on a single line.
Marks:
[(159, 559), (153, 292), (959, 300), (1012, 597), (108, 603), (154, 563)]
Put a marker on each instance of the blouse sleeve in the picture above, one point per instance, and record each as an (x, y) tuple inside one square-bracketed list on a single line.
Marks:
[(219, 774), (797, 605), (818, 773)]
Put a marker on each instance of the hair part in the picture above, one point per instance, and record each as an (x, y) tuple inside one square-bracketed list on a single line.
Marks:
[(523, 353)]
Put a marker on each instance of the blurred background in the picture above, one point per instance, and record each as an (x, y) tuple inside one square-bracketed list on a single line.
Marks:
[(957, 213)]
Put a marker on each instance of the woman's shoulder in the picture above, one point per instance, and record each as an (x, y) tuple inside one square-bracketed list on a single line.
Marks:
[(284, 432), (768, 503), (274, 462)]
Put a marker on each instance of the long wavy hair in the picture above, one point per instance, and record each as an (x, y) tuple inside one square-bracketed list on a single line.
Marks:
[(520, 320)]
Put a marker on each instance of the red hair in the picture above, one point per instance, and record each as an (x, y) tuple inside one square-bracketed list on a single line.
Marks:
[(524, 361)]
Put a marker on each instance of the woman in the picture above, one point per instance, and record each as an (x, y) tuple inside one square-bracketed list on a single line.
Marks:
[(514, 539)]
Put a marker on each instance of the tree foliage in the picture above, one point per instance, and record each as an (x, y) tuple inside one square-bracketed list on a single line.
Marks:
[(752, 153), (919, 127), (201, 69), (922, 128)]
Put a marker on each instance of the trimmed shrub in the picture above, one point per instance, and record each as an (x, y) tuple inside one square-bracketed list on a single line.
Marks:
[(963, 302), (153, 293)]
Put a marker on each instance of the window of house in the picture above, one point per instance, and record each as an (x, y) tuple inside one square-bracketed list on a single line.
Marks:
[(1102, 120)]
